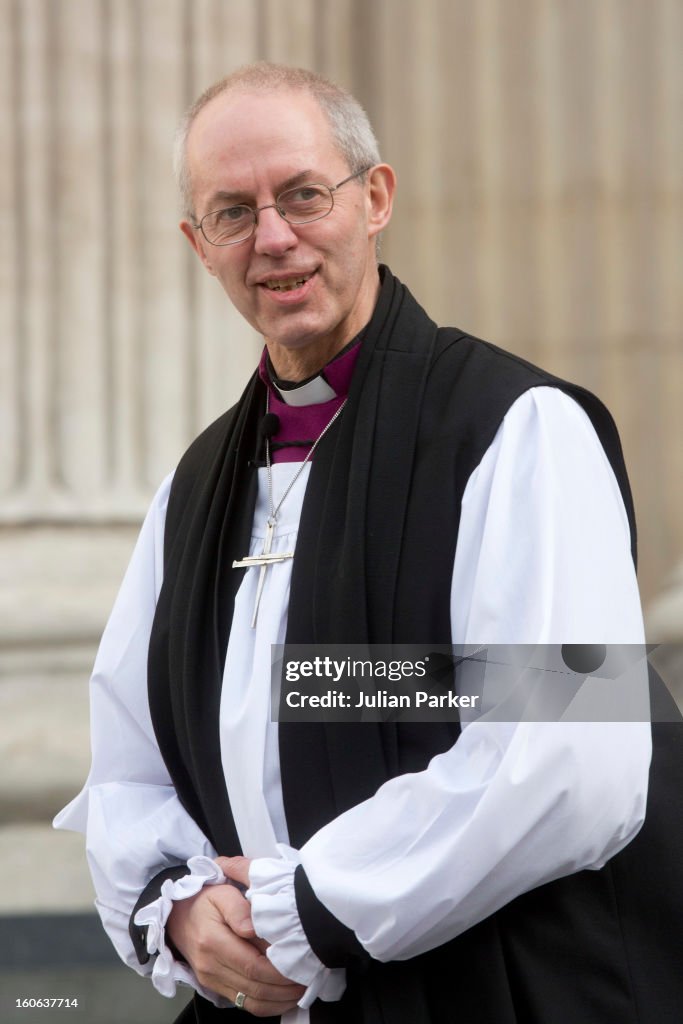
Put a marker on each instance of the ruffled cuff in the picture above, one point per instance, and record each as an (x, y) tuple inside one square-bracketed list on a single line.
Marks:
[(276, 919), (167, 970)]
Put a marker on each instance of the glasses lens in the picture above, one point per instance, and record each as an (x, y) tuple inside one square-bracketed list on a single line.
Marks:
[(305, 203), (229, 225)]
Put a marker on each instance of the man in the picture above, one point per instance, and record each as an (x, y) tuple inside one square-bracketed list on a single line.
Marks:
[(436, 490)]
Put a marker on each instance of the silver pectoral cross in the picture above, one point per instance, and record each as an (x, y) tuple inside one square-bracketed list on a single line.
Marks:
[(263, 560)]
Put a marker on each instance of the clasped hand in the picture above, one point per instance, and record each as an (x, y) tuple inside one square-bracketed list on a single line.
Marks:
[(215, 934)]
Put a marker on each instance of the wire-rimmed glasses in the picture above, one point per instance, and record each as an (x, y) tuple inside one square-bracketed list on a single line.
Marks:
[(300, 205)]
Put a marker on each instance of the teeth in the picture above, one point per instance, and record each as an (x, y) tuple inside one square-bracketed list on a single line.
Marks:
[(287, 285)]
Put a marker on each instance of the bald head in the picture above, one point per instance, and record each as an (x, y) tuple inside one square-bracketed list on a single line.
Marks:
[(350, 128)]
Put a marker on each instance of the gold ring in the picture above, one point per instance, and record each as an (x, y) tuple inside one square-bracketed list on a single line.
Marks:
[(239, 1000)]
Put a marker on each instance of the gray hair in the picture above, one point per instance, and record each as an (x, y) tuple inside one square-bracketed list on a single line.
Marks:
[(348, 121)]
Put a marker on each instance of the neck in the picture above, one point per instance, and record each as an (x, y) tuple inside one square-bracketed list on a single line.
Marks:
[(299, 364)]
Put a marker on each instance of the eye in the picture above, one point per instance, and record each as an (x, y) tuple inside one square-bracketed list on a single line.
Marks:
[(227, 224), (305, 203), (232, 214), (305, 194)]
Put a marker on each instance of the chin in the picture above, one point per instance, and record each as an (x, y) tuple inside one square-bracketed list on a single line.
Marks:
[(298, 338)]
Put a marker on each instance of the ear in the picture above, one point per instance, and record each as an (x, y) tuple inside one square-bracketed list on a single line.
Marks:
[(196, 240), (382, 186)]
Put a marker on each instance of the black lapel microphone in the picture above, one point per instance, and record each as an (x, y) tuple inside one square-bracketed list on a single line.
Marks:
[(269, 425)]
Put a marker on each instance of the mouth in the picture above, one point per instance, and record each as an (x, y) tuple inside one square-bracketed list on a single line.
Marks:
[(286, 284)]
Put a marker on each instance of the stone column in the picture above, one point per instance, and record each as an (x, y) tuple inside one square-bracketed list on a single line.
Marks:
[(115, 349), (539, 147), (540, 157)]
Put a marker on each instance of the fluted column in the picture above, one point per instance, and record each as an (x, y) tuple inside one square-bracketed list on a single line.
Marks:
[(117, 350), (540, 156), (539, 149)]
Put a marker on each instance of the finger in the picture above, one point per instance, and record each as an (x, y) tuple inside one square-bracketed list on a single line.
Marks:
[(247, 962), (235, 868), (260, 1008), (222, 948), (246, 972), (223, 962), (226, 982), (289, 992), (234, 910)]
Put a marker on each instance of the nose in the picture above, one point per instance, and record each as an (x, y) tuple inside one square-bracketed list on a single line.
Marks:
[(273, 235)]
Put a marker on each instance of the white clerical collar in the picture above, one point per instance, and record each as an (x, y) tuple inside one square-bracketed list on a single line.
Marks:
[(311, 392)]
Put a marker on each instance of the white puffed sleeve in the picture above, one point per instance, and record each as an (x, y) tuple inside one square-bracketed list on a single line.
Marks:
[(128, 810), (543, 557)]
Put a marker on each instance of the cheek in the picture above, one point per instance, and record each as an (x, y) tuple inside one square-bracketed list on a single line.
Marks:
[(244, 300), (352, 268), (232, 277)]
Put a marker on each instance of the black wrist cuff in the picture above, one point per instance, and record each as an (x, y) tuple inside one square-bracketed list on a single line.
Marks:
[(331, 941), (151, 892)]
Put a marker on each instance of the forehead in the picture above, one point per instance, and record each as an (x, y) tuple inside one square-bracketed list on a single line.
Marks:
[(243, 140)]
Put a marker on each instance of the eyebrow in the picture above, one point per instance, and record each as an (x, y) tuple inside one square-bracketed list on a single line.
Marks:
[(240, 196)]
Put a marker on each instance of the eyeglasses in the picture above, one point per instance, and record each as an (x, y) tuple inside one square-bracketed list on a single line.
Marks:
[(300, 205)]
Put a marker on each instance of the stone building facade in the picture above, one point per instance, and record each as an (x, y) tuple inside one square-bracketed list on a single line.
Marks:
[(539, 149)]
